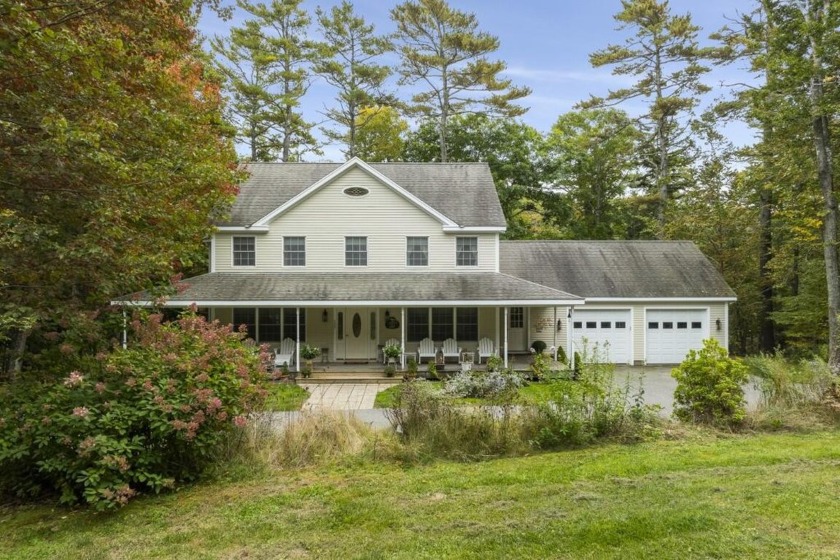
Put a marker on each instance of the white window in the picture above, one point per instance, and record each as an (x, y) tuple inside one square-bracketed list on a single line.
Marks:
[(417, 251), (466, 251), (517, 317), (294, 251), (244, 251), (355, 251)]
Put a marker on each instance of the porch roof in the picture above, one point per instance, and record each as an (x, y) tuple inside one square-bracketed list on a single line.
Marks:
[(223, 289)]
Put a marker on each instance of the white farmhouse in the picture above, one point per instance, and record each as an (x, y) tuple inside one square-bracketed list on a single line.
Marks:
[(348, 256)]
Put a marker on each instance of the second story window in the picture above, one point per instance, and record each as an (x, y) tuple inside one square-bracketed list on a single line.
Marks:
[(244, 251), (466, 251), (355, 251), (294, 251), (417, 251)]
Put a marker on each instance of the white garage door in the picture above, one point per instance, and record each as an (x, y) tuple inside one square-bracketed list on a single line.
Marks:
[(603, 335), (671, 333)]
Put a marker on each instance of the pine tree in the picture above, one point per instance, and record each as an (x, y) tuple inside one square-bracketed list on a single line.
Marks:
[(443, 52), (349, 63)]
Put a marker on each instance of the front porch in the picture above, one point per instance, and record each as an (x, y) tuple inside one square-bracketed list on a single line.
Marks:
[(352, 339)]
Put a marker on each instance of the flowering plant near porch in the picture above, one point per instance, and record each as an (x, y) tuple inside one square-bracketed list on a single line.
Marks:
[(392, 351), (143, 419)]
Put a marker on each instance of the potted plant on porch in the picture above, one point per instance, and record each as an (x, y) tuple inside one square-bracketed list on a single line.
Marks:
[(308, 353), (391, 352)]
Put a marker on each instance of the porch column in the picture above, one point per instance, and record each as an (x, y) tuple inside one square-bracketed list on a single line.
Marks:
[(125, 329), (497, 321), (402, 337), (506, 337), (571, 334), (297, 336)]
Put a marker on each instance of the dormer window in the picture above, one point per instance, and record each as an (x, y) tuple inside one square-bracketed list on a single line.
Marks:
[(466, 251), (244, 251)]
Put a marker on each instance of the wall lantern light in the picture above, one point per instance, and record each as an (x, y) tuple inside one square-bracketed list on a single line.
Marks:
[(325, 316), (717, 323)]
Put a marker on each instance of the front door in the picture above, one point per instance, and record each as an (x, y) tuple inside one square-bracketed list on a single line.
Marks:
[(517, 334), (354, 333)]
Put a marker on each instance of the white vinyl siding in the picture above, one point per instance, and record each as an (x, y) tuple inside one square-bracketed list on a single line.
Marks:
[(383, 216)]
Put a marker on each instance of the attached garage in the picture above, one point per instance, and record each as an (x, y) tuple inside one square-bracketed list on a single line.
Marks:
[(671, 333), (603, 335)]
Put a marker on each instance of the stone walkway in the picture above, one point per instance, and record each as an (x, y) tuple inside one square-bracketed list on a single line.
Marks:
[(342, 396)]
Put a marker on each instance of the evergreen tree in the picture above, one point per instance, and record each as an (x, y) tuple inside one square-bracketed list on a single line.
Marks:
[(349, 63), (664, 54), (445, 55)]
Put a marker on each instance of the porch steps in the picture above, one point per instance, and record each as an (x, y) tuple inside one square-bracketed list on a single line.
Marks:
[(351, 377)]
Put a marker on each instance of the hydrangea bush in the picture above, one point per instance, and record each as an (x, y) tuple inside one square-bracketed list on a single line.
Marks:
[(144, 419)]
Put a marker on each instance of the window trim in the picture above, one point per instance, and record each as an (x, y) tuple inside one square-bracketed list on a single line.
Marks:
[(476, 251), (283, 242), (407, 260), (367, 251), (233, 251)]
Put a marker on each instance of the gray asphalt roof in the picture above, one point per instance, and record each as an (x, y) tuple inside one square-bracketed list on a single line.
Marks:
[(617, 269), (463, 192), (360, 287)]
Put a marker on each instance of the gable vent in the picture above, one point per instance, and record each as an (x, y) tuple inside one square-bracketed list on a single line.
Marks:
[(356, 191)]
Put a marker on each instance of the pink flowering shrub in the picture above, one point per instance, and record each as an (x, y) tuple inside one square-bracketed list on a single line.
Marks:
[(147, 419)]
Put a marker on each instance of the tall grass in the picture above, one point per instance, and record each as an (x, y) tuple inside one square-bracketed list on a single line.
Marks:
[(795, 394)]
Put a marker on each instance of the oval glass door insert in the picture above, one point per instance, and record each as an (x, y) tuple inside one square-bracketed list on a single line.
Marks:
[(357, 325)]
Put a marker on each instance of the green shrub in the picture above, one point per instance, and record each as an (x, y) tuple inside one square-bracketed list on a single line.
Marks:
[(148, 418), (390, 370), (709, 387), (495, 363), (561, 355), (593, 407), (540, 366), (578, 366), (539, 346), (411, 370)]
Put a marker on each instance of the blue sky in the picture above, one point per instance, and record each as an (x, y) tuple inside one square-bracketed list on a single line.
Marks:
[(546, 45)]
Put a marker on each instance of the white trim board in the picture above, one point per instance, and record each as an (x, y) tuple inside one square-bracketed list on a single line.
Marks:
[(351, 303)]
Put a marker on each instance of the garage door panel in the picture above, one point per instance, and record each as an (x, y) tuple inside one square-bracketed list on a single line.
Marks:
[(603, 335), (671, 333)]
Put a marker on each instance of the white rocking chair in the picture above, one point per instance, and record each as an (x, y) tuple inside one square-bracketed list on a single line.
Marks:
[(285, 354), (451, 349), (426, 350), (486, 348)]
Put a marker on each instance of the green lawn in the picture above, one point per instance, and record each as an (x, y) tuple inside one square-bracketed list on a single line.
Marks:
[(285, 396), (764, 496)]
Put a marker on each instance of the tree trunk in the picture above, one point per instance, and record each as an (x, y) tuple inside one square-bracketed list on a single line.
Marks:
[(768, 326), (822, 147), (832, 263), (14, 355)]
